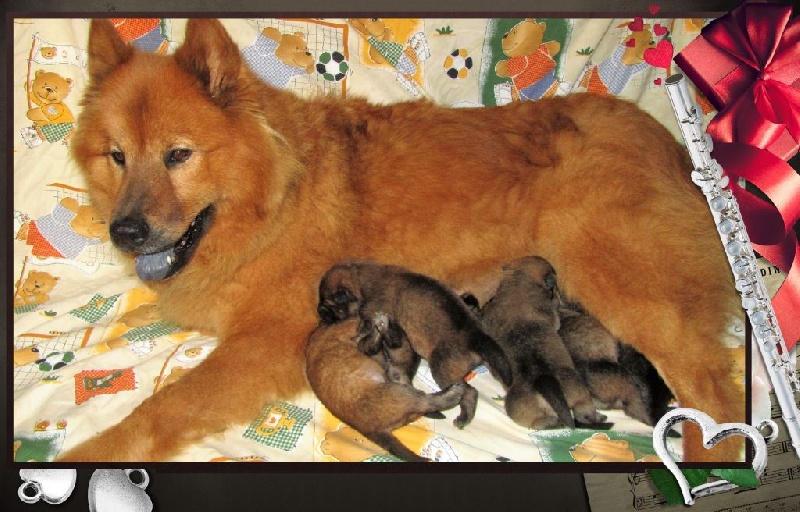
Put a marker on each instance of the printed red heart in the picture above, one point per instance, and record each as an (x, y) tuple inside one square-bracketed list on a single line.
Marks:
[(654, 9), (661, 55), (636, 25), (659, 29), (657, 81), (630, 43)]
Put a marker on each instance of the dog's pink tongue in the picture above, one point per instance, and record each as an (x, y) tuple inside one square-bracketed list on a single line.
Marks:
[(155, 267)]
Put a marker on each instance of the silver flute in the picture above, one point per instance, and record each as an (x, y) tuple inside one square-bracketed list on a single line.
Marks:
[(709, 176)]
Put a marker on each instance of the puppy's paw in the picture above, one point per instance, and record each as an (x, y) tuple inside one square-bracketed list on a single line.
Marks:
[(587, 414), (462, 421)]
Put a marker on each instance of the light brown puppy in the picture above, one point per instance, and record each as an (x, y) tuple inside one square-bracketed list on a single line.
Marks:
[(358, 391), (245, 194), (436, 322), (617, 375), (522, 316)]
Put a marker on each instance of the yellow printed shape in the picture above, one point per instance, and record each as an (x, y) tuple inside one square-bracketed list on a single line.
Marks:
[(336, 441)]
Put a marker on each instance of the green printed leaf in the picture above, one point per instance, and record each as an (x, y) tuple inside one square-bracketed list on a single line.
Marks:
[(740, 477), (696, 477), (666, 483)]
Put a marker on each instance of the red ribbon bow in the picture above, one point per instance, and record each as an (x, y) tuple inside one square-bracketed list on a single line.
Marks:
[(748, 65)]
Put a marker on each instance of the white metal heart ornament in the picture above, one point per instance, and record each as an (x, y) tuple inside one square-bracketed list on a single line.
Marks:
[(113, 490), (53, 486), (713, 433)]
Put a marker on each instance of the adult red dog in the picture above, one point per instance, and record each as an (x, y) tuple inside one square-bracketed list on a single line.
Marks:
[(232, 198)]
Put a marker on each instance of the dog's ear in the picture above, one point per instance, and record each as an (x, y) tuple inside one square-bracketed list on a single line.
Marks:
[(107, 50), (209, 54)]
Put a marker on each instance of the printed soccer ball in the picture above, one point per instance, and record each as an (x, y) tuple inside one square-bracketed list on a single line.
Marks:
[(458, 64), (332, 66)]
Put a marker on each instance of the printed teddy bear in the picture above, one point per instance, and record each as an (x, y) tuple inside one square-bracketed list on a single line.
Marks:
[(66, 231), (384, 49), (143, 33), (277, 58), (52, 119), (34, 290), (601, 448), (48, 52), (530, 64), (612, 75)]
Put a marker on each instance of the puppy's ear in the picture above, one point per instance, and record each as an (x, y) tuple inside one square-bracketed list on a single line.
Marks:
[(107, 50), (209, 54)]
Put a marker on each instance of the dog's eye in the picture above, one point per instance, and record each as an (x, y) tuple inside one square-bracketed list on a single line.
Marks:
[(177, 156), (118, 157)]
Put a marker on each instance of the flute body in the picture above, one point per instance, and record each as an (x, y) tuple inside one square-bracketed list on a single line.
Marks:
[(709, 176)]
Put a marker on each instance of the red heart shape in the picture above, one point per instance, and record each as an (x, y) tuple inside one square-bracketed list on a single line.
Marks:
[(654, 9), (657, 81), (659, 29), (636, 25), (630, 43), (661, 55)]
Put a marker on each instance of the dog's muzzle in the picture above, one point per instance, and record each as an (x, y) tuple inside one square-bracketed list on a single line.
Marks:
[(131, 234)]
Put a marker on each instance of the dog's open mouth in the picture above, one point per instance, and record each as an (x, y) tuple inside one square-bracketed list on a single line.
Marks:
[(165, 264)]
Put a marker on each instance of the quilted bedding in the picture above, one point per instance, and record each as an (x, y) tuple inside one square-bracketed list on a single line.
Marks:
[(89, 343)]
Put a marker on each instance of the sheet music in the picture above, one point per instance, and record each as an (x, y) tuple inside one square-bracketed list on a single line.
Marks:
[(779, 490), (780, 484)]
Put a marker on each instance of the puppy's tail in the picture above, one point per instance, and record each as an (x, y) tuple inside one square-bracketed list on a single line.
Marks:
[(494, 357), (391, 444)]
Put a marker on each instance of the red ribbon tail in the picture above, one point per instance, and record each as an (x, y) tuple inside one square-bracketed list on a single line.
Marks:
[(786, 256)]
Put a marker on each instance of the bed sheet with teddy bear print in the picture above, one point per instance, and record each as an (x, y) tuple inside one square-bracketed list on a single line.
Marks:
[(89, 343)]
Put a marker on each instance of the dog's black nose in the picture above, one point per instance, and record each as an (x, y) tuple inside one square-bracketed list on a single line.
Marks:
[(129, 233)]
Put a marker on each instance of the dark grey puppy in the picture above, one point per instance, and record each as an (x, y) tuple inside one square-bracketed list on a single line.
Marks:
[(618, 376), (522, 316), (436, 322)]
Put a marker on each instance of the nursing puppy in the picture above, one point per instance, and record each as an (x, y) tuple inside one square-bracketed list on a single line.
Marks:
[(617, 375), (522, 316), (437, 323), (359, 391), (231, 197)]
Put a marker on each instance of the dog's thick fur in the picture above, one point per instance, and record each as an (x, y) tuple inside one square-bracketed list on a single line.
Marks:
[(358, 390), (436, 322), (590, 183)]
